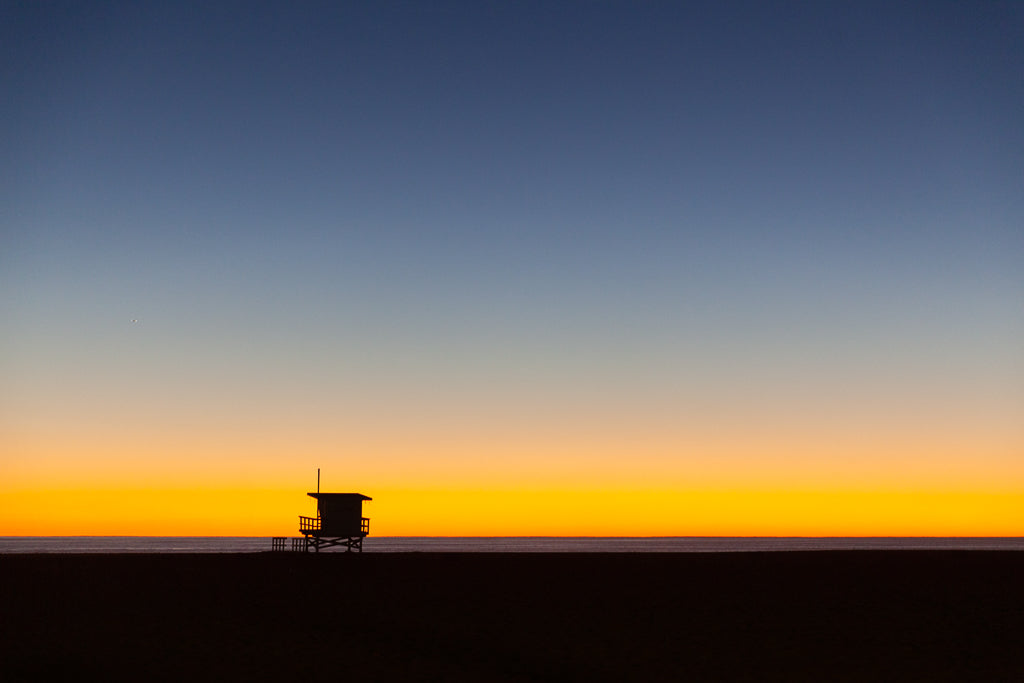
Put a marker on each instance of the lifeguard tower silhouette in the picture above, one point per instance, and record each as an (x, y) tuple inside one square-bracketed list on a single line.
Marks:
[(339, 521)]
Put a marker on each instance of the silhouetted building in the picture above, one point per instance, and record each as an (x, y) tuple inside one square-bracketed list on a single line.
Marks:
[(339, 521)]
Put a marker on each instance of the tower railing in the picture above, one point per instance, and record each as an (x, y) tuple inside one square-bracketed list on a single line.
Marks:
[(308, 525)]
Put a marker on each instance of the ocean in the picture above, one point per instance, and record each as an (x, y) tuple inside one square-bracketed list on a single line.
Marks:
[(543, 544)]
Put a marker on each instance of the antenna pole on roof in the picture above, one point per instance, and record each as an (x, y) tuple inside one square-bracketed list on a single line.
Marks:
[(318, 481)]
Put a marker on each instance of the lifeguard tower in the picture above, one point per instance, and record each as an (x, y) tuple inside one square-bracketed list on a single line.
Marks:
[(339, 521)]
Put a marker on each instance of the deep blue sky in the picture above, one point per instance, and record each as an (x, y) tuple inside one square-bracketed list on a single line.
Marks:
[(505, 214)]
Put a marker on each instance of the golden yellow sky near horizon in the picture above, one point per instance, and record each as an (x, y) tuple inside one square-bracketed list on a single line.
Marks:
[(542, 512), (726, 487)]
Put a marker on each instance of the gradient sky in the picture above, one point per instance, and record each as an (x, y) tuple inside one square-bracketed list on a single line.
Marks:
[(513, 268)]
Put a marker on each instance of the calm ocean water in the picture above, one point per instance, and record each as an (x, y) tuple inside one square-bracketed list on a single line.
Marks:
[(396, 544)]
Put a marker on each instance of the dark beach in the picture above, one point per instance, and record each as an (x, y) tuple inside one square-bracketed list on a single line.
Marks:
[(821, 616)]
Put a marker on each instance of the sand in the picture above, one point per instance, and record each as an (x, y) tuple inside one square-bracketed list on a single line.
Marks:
[(791, 616)]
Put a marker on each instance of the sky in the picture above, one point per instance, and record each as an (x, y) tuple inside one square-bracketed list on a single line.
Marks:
[(513, 268)]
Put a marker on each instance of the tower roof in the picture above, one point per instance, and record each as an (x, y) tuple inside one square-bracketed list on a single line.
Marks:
[(339, 496)]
